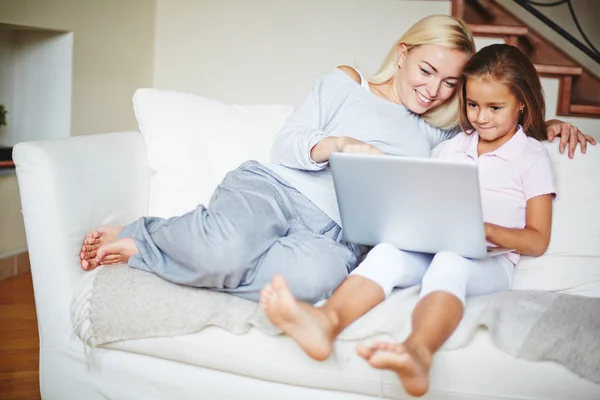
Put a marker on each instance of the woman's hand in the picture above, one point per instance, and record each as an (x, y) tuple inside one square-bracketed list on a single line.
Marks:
[(350, 145), (569, 134), (340, 144)]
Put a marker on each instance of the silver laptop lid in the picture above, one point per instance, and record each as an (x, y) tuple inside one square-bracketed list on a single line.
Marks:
[(418, 204)]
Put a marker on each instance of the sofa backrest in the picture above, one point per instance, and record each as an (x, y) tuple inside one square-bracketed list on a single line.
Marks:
[(192, 142)]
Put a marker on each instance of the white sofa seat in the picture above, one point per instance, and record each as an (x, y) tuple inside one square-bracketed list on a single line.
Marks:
[(479, 371)]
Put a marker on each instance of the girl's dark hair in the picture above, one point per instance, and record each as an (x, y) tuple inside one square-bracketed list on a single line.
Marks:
[(509, 65)]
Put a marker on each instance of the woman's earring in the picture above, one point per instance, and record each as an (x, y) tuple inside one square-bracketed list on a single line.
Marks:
[(521, 111), (400, 61)]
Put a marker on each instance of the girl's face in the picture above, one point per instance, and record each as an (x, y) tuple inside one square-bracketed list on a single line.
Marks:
[(428, 76), (492, 108)]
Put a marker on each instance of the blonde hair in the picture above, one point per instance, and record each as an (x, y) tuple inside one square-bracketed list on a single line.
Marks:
[(441, 30)]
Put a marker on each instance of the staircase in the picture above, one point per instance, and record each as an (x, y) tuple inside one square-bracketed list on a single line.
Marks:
[(579, 89)]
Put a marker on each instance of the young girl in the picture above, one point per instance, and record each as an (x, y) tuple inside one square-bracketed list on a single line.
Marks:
[(502, 115)]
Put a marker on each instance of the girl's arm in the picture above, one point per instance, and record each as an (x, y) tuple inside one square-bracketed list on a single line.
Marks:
[(533, 239)]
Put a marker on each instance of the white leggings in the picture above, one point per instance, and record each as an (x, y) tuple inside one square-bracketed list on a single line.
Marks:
[(390, 267)]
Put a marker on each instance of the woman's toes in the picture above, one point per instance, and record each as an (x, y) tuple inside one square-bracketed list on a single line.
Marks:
[(100, 254), (95, 235), (91, 241), (111, 262), (269, 290), (84, 255), (90, 247), (88, 265)]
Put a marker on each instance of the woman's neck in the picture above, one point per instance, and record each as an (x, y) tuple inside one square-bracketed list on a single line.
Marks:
[(386, 91)]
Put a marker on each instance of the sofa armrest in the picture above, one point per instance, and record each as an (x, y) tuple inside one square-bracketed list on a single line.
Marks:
[(68, 187)]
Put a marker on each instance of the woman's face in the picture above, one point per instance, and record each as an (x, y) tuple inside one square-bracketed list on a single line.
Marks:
[(428, 76)]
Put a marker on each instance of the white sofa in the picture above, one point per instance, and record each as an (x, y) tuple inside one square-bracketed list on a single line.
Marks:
[(185, 146)]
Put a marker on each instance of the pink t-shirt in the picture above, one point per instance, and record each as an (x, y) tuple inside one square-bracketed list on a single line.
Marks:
[(509, 176)]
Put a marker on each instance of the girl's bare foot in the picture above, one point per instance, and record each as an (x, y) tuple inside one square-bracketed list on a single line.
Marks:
[(117, 252), (312, 328), (410, 363), (101, 236)]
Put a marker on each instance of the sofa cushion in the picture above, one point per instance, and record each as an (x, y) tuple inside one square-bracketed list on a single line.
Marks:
[(192, 142), (458, 374)]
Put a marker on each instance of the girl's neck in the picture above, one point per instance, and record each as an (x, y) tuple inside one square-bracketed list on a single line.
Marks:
[(485, 146)]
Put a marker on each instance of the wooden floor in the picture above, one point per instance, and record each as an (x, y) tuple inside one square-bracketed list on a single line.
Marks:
[(19, 340)]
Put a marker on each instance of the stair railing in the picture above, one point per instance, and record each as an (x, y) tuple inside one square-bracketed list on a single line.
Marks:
[(588, 48)]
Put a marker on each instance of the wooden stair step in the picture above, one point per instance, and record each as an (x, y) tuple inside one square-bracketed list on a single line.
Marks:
[(549, 69), (498, 30), (585, 109), (578, 90)]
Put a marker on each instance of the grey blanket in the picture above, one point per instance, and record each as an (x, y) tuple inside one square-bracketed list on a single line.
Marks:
[(121, 303)]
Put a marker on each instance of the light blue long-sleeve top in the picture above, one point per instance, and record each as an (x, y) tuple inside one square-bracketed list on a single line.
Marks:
[(338, 106)]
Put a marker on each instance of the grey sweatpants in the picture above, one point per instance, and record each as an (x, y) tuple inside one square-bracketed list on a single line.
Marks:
[(255, 226)]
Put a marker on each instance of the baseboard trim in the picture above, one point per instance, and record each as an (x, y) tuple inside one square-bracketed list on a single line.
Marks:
[(13, 253), (14, 264)]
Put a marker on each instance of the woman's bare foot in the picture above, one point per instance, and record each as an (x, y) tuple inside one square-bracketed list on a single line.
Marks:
[(312, 328), (117, 252), (410, 363), (101, 236)]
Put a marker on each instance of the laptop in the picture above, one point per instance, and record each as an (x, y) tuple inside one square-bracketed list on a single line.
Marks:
[(417, 204)]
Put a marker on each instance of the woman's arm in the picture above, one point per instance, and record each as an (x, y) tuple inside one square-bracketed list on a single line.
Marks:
[(301, 132), (569, 134), (534, 238), (303, 142)]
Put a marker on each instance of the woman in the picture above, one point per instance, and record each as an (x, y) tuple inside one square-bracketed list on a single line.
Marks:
[(283, 218)]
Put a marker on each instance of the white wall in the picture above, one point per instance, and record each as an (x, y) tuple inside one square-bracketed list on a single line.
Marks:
[(41, 108), (265, 51), (112, 54), (12, 231), (6, 81), (113, 44)]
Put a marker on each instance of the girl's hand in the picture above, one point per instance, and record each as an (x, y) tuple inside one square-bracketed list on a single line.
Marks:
[(569, 134), (349, 145), (488, 230)]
